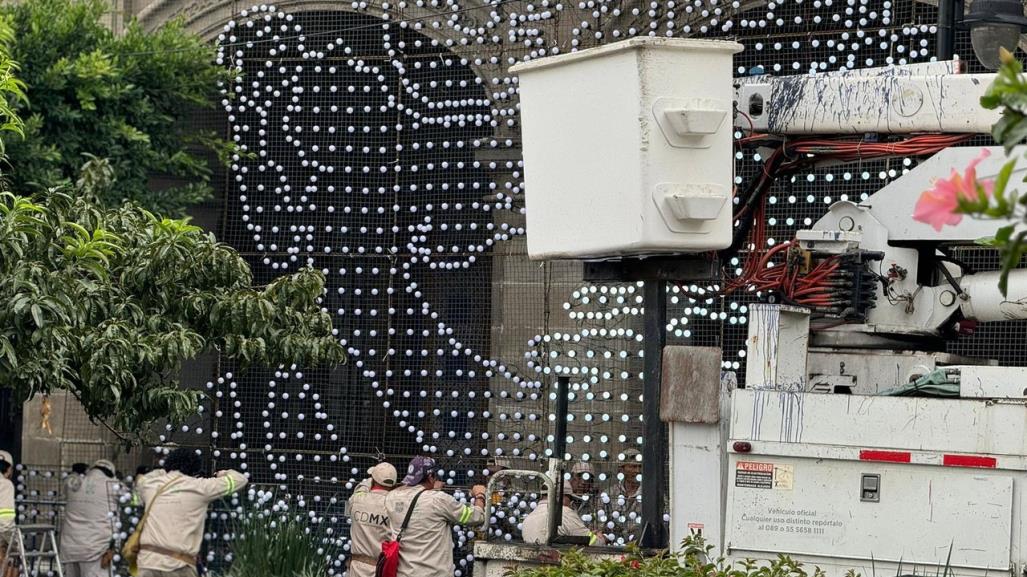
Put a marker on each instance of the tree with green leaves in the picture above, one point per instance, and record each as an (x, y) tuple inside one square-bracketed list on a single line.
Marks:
[(126, 98), (107, 302)]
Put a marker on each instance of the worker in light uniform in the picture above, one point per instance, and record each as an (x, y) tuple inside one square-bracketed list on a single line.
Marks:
[(426, 547), (87, 532), (625, 498), (583, 481), (536, 524), (7, 512), (369, 520), (173, 533)]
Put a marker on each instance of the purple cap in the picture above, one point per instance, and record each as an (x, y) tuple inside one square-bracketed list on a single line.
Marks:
[(419, 468)]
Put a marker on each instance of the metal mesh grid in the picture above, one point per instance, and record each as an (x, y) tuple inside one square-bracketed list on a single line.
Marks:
[(470, 355), (382, 147)]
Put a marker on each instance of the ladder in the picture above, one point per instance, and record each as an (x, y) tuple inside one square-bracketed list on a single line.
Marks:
[(33, 559)]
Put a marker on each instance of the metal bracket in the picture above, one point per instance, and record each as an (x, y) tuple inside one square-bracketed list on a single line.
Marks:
[(669, 268), (858, 104)]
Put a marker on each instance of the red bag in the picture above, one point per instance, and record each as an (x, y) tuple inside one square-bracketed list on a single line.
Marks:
[(388, 559)]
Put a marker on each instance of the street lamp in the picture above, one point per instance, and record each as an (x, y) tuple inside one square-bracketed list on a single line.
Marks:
[(995, 24)]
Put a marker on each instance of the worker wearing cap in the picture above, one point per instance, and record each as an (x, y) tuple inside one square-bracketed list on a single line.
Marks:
[(369, 520), (426, 547), (7, 513), (583, 481), (178, 500), (625, 497), (87, 532), (536, 525)]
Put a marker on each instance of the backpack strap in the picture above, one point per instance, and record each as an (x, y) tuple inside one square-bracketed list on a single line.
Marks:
[(410, 511), (153, 500)]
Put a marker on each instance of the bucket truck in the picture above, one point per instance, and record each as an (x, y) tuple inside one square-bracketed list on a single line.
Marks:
[(856, 441)]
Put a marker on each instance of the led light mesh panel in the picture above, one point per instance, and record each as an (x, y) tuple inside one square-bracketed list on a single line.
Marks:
[(381, 146)]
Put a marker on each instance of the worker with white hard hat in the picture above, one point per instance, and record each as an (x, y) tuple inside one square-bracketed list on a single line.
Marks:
[(369, 520), (536, 525), (7, 513), (90, 521)]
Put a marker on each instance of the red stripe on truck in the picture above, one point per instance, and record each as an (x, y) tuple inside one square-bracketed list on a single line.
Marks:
[(885, 456), (969, 461)]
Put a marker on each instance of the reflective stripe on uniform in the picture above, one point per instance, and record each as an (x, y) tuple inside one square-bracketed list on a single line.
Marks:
[(6, 513), (231, 485), (466, 515)]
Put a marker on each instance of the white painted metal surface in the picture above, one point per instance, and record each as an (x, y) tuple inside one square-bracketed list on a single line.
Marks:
[(921, 511), (698, 466), (906, 423), (698, 459), (924, 506), (992, 382), (628, 149), (857, 104), (873, 371), (777, 345), (985, 303)]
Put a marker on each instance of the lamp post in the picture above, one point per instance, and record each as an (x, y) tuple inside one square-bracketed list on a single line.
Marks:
[(993, 24), (949, 12)]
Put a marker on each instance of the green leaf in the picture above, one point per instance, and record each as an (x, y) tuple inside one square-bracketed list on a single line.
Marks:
[(1012, 252), (1015, 135), (1002, 180), (1000, 128)]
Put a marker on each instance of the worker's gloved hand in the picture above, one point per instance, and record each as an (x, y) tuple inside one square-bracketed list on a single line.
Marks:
[(478, 492), (106, 559)]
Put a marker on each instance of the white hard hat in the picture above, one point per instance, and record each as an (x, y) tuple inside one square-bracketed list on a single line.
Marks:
[(5, 456), (384, 474), (105, 464)]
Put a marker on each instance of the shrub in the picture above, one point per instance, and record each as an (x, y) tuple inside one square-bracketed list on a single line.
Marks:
[(269, 540), (693, 559)]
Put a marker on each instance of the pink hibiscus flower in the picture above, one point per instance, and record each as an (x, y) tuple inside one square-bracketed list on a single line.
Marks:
[(940, 205)]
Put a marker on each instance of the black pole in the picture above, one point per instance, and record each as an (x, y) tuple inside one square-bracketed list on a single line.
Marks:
[(946, 29), (563, 384), (654, 445)]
